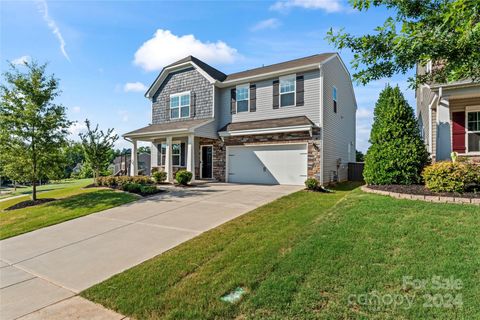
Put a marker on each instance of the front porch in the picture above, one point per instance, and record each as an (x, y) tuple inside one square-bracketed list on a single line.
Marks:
[(175, 146)]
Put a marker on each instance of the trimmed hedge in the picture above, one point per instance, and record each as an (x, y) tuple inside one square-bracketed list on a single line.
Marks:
[(447, 176), (119, 181), (312, 184), (183, 177), (159, 176)]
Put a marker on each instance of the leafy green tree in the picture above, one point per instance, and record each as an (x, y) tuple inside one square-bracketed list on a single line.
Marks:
[(98, 148), (397, 154), (446, 32), (144, 149), (33, 129), (73, 155), (359, 156)]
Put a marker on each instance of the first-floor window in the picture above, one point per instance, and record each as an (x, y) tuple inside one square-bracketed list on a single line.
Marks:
[(473, 131), (178, 154)]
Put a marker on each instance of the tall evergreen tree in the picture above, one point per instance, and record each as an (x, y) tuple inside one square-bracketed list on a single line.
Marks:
[(33, 129), (397, 154)]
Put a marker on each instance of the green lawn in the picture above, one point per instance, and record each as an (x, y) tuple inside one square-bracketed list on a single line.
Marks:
[(305, 256), (74, 201), (45, 187)]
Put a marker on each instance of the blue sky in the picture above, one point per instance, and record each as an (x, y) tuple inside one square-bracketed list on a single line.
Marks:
[(106, 53)]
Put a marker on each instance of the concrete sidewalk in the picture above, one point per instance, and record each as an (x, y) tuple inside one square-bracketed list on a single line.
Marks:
[(48, 267)]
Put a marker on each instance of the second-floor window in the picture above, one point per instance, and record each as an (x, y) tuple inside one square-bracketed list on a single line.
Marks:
[(287, 91), (242, 98), (180, 105)]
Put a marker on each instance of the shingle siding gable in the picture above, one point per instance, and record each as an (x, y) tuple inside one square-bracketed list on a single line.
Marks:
[(201, 95)]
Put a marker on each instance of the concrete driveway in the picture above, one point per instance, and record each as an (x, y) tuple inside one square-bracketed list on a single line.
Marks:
[(43, 267)]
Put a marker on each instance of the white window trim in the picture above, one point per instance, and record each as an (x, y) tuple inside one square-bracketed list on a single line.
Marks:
[(179, 95), (294, 76), (336, 91), (241, 86), (470, 109)]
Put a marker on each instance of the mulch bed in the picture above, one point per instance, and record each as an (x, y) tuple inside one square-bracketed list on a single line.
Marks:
[(421, 190), (29, 203)]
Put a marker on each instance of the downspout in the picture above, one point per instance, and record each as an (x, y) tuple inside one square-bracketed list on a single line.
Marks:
[(322, 129)]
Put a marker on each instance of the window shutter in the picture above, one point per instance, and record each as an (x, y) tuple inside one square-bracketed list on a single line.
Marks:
[(167, 108), (458, 132), (276, 94), (233, 101), (182, 154), (300, 90), (253, 97), (193, 106)]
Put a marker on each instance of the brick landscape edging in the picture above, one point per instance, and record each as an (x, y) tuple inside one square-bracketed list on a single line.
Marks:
[(436, 199)]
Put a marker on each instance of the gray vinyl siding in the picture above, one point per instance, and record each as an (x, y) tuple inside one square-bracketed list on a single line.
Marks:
[(311, 107), (339, 128), (201, 96)]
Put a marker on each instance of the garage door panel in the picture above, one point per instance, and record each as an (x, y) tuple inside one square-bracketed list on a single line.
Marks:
[(279, 164)]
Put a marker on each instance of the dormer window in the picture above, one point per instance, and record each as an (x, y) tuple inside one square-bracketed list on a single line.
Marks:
[(242, 98), (180, 105), (287, 91)]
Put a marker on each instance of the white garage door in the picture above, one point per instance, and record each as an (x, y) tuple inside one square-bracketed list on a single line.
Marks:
[(276, 164)]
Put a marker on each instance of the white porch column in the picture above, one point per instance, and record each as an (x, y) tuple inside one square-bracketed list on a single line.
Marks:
[(134, 159), (154, 155), (168, 159), (191, 155)]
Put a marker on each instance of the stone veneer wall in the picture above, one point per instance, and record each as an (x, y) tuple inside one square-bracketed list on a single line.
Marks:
[(218, 158), (219, 148)]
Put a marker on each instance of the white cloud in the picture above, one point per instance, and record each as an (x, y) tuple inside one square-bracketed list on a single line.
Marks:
[(327, 5), (76, 128), (43, 8), (135, 87), (363, 113), (271, 23), (165, 48), (123, 115), (21, 60), (76, 109)]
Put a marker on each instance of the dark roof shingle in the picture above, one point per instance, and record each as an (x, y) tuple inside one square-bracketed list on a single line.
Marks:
[(269, 123), (168, 126)]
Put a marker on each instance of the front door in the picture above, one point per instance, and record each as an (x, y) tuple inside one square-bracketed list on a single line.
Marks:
[(206, 170)]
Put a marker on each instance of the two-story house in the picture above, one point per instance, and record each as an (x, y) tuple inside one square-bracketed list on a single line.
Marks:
[(449, 117), (277, 124)]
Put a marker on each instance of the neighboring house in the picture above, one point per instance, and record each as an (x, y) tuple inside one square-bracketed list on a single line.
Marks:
[(277, 124), (122, 164), (449, 117)]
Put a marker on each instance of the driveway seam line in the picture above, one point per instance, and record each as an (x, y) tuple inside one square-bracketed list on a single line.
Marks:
[(27, 270), (108, 231), (14, 284), (49, 305)]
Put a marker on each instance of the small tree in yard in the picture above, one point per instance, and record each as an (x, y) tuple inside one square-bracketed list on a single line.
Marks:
[(97, 146), (397, 154), (33, 129)]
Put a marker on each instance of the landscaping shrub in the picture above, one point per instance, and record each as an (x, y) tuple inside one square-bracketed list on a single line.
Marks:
[(119, 181), (183, 177), (159, 176), (132, 187), (148, 189), (449, 176), (312, 184), (397, 154)]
